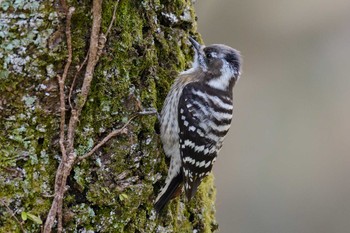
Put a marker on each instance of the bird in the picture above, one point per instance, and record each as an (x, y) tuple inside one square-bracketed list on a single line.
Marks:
[(196, 117)]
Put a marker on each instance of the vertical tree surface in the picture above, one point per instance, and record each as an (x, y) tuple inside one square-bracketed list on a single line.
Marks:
[(113, 189)]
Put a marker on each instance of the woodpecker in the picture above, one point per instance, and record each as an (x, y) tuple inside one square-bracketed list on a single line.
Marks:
[(195, 118)]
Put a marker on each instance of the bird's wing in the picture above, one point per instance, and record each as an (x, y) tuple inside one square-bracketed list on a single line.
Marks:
[(200, 139)]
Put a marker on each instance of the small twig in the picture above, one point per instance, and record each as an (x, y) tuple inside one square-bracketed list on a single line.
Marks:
[(103, 37), (147, 112), (106, 139), (73, 82), (63, 116), (13, 215), (91, 63), (113, 19), (59, 217), (64, 5), (61, 81), (69, 43), (86, 58), (114, 133)]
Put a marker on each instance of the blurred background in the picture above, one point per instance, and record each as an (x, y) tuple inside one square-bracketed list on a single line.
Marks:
[(285, 166)]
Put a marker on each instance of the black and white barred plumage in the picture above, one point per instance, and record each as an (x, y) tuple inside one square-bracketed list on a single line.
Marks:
[(195, 118)]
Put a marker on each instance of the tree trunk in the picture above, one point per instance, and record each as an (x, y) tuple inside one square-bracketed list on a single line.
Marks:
[(113, 189)]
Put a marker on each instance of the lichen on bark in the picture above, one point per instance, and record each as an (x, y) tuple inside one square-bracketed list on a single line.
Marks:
[(114, 189)]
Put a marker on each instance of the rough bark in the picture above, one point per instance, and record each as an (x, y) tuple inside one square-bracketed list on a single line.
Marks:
[(113, 189)]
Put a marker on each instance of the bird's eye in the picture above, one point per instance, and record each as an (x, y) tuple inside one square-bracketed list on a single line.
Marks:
[(209, 55)]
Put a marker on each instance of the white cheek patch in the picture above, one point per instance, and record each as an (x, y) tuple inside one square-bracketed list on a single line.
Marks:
[(222, 82)]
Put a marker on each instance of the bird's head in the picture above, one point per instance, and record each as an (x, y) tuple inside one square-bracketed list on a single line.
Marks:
[(217, 61)]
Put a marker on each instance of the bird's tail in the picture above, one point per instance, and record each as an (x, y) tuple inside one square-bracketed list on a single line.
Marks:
[(191, 187), (168, 192)]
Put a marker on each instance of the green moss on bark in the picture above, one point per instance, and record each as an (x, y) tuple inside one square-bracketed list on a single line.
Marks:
[(115, 188)]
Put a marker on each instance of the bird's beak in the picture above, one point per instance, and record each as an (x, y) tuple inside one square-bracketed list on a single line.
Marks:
[(199, 60), (195, 44)]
